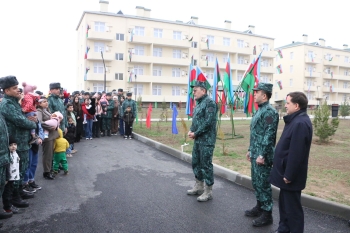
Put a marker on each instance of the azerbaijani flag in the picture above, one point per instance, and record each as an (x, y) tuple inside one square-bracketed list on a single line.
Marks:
[(216, 81), (87, 30), (190, 98), (280, 53), (132, 35), (254, 50), (228, 85), (279, 83), (130, 77), (201, 78), (279, 69)]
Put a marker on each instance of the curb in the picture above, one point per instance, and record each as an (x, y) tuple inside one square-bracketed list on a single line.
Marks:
[(315, 203)]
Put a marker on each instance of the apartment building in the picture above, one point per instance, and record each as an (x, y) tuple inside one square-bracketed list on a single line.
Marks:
[(151, 57), (320, 71)]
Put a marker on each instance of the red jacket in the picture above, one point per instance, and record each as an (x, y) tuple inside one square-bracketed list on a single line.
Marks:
[(85, 111)]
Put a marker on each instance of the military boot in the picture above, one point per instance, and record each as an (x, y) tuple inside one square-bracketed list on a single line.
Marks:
[(207, 195), (108, 133), (256, 211), (197, 189), (264, 219)]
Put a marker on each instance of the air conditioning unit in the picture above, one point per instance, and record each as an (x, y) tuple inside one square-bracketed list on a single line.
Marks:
[(107, 49), (184, 37), (183, 73), (130, 30), (245, 61), (107, 69), (204, 39), (246, 45), (107, 29), (184, 55)]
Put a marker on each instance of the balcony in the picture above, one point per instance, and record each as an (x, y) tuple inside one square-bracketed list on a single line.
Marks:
[(104, 36), (108, 56), (342, 77), (344, 64), (161, 98), (171, 61), (310, 88), (171, 43), (327, 76), (243, 67), (334, 62), (246, 51), (269, 54), (268, 69), (98, 77), (312, 74), (140, 39), (219, 48), (342, 90), (328, 89), (162, 79), (140, 59), (312, 61)]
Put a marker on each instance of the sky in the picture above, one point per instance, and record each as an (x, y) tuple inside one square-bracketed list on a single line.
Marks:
[(38, 38)]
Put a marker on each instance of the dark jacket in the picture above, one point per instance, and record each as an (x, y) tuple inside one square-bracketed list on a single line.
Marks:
[(70, 135), (128, 117), (4, 143), (292, 152), (56, 105)]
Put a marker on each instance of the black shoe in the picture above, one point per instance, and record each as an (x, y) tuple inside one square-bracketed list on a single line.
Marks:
[(264, 219), (48, 176), (19, 203), (28, 195), (103, 133), (5, 215), (15, 210), (256, 211), (34, 185), (108, 133), (28, 189)]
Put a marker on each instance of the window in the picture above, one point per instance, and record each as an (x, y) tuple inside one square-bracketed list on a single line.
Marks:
[(158, 33), (210, 57), (346, 72), (177, 35), (291, 82), (157, 52), (291, 69), (176, 90), (194, 44), (139, 50), (119, 56), (310, 68), (176, 72), (345, 84), (176, 53), (139, 31), (138, 89), (138, 70), (98, 47), (326, 84), (276, 95), (346, 59), (310, 55), (98, 68), (210, 39), (240, 60), (291, 55), (309, 96), (327, 70), (100, 27), (239, 76), (157, 90), (328, 56), (157, 71), (226, 41), (240, 43), (309, 82), (345, 97), (194, 62), (265, 47), (98, 87), (264, 63), (119, 36), (264, 78), (225, 59), (119, 76), (210, 74)]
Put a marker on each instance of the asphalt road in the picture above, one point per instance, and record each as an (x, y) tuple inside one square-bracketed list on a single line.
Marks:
[(117, 185)]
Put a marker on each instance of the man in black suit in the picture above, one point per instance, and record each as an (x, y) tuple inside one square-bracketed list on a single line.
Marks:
[(290, 163)]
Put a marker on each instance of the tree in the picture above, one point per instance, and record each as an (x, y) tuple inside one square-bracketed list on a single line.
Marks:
[(323, 127), (344, 109)]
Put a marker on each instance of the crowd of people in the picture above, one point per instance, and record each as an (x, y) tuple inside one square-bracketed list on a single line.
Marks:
[(55, 121)]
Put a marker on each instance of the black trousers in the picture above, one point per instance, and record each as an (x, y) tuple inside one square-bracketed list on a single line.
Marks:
[(291, 212), (96, 127), (128, 128), (7, 195)]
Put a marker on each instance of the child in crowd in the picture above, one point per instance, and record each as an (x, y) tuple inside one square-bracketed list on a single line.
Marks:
[(28, 105), (115, 116), (59, 157), (104, 103), (70, 113), (12, 175), (70, 137), (91, 108), (128, 118), (55, 121)]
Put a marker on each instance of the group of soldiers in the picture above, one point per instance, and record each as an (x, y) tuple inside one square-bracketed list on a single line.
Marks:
[(284, 166)]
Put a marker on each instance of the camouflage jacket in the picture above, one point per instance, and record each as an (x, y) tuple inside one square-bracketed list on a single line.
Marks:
[(18, 125), (204, 121), (110, 108), (263, 129), (4, 143), (56, 105), (130, 103)]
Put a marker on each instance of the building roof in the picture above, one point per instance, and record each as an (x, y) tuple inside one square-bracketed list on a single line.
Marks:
[(167, 21), (314, 44)]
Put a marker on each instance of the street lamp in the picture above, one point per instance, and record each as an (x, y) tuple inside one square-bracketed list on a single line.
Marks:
[(103, 60)]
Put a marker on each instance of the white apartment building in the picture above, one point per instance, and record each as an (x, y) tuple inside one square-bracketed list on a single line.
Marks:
[(161, 52)]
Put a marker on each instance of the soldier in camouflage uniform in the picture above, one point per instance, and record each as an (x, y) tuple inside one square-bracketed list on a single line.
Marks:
[(106, 118), (19, 128), (121, 122), (129, 102), (56, 104), (263, 129), (203, 131)]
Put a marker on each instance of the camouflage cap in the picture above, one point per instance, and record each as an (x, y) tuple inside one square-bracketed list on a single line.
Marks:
[(265, 87), (200, 84)]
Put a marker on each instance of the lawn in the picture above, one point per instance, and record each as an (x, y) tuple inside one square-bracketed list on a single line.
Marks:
[(329, 173)]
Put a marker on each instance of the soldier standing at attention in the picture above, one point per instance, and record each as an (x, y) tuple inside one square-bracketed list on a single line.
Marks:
[(203, 131), (263, 129), (128, 102)]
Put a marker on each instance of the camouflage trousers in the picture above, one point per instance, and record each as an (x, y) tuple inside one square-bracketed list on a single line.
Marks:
[(106, 123), (261, 184), (23, 166), (2, 179), (202, 163)]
